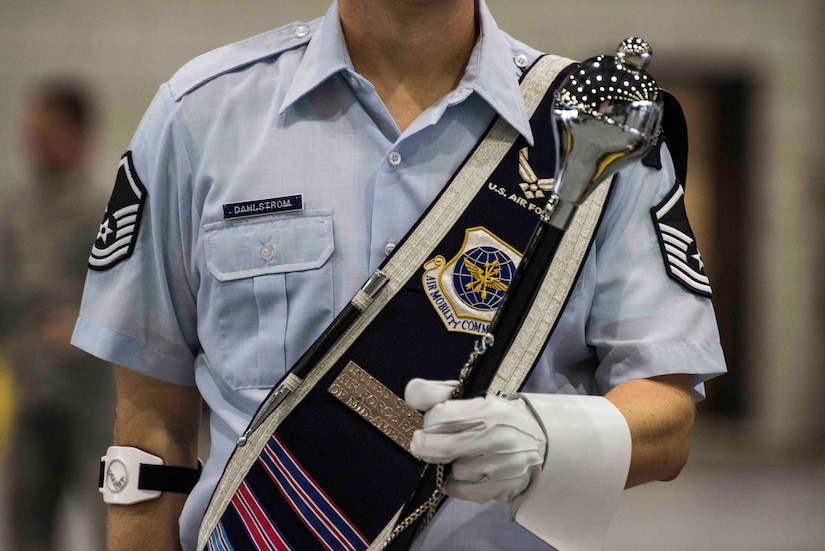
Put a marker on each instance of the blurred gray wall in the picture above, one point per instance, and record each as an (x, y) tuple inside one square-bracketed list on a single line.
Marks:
[(126, 48)]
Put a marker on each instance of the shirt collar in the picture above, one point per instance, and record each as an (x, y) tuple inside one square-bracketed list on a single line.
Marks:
[(491, 71), (326, 55)]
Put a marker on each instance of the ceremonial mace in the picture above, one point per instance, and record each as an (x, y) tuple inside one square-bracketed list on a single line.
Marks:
[(606, 115)]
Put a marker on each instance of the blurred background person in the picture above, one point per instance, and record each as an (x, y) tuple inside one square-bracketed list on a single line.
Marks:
[(63, 400)]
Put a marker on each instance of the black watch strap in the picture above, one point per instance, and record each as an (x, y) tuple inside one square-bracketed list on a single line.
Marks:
[(163, 478)]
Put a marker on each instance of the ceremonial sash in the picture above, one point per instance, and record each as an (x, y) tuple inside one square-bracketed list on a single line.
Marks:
[(325, 463)]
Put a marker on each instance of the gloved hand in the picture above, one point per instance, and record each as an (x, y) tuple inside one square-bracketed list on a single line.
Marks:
[(496, 446)]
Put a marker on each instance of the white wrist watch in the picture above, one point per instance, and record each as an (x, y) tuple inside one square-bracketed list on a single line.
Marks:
[(130, 475)]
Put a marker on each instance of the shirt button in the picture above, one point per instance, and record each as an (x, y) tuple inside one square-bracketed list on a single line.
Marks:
[(389, 247), (521, 61), (267, 252), (395, 158), (353, 82), (301, 31)]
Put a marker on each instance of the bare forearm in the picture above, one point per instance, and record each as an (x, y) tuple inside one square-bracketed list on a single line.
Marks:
[(148, 526), (660, 413), (163, 420)]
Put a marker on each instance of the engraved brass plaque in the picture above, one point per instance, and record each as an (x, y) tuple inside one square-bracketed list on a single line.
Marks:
[(369, 398)]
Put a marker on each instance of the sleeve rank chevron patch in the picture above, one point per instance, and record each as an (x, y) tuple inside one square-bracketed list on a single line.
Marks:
[(683, 261), (118, 232)]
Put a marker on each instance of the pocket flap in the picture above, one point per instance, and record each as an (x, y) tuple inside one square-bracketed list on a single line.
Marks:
[(248, 248)]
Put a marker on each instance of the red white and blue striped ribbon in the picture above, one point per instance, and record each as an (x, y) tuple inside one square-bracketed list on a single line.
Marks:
[(317, 511), (259, 527)]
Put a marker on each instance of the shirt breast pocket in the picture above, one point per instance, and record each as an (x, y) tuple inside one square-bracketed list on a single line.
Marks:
[(270, 295)]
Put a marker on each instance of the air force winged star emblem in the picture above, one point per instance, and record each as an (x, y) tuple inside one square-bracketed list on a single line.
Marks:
[(467, 290), (117, 234), (533, 187)]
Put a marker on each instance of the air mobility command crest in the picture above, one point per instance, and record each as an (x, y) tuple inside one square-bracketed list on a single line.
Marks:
[(467, 290)]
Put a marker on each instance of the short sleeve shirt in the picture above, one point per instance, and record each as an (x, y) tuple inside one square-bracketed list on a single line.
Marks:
[(269, 181)]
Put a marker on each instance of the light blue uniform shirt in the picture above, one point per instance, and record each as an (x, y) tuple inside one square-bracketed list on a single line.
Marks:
[(230, 304)]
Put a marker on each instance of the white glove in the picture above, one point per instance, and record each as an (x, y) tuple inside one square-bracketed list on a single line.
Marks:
[(496, 446)]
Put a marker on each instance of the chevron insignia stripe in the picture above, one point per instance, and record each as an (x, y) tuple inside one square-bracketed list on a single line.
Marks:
[(682, 258)]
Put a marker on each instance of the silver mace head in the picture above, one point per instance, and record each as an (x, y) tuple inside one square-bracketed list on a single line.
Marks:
[(607, 115)]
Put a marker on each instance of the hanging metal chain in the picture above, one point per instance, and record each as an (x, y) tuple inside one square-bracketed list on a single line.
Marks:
[(430, 506)]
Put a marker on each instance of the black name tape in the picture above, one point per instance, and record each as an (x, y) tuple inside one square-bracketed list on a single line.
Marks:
[(263, 206)]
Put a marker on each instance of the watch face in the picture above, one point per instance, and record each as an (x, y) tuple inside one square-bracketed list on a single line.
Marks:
[(116, 476)]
